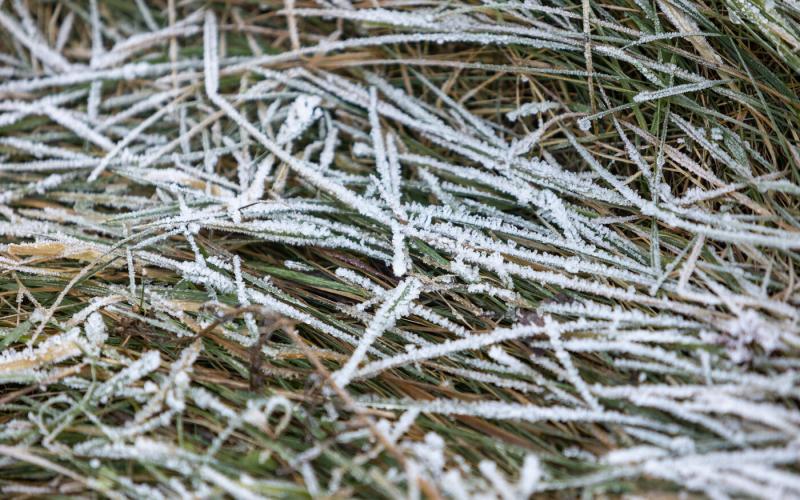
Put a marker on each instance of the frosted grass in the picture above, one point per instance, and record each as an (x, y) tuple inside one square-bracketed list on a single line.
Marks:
[(506, 267)]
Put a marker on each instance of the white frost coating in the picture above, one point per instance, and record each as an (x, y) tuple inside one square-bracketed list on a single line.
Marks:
[(302, 113), (96, 333), (35, 44), (532, 108), (676, 90), (400, 258), (751, 328), (569, 367), (397, 304), (517, 412), (210, 54), (258, 413), (530, 475), (529, 277)]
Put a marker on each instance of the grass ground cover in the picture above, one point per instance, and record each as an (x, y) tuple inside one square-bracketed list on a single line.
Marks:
[(399, 249)]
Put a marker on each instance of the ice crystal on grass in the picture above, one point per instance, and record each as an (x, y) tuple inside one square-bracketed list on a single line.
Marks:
[(399, 250)]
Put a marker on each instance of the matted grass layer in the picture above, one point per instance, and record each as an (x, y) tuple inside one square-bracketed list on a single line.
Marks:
[(399, 249)]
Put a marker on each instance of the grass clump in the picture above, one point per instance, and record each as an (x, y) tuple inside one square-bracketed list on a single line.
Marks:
[(392, 249)]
